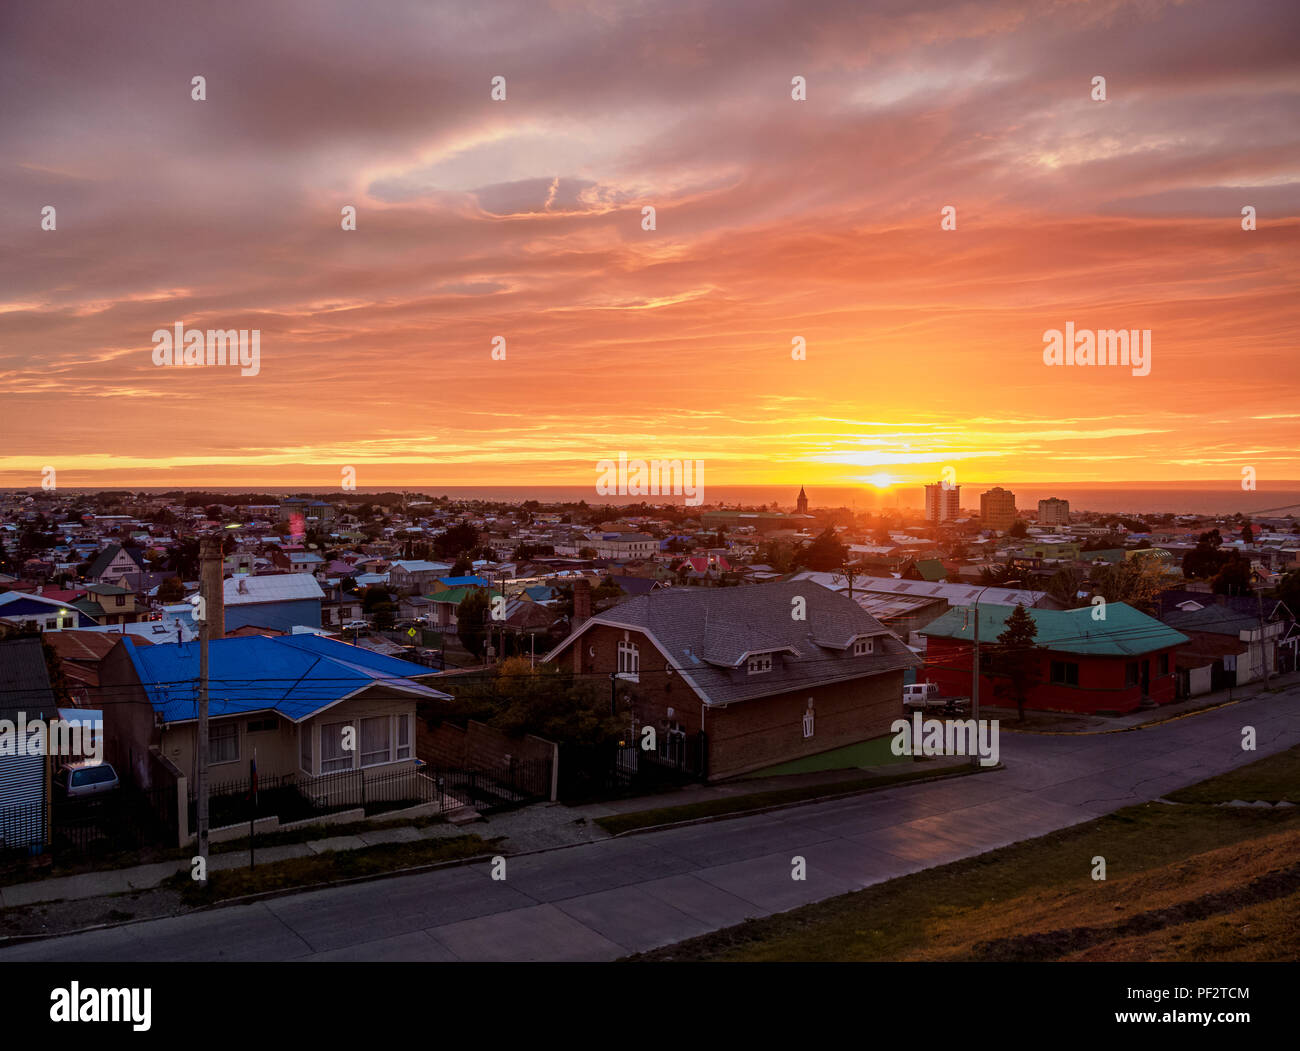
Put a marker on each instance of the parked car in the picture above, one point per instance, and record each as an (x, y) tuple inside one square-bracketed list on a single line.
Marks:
[(925, 697), (355, 625), (80, 780)]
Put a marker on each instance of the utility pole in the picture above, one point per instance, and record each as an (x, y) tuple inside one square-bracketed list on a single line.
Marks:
[(212, 602), (975, 661)]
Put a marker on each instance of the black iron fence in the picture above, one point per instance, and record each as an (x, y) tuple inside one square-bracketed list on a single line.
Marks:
[(125, 819), (593, 772), (493, 787)]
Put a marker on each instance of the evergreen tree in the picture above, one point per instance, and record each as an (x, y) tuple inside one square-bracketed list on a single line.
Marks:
[(1014, 662)]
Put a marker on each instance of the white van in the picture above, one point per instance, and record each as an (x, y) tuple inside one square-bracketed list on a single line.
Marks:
[(922, 695)]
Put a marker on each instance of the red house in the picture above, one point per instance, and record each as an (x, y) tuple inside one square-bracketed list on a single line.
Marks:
[(1096, 659)]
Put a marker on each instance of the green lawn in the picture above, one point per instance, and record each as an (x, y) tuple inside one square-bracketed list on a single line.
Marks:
[(1275, 779), (865, 753)]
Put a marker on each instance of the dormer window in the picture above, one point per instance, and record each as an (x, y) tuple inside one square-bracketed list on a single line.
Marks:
[(760, 663), (862, 647)]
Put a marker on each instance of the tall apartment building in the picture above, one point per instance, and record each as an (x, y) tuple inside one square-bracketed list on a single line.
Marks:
[(997, 509), (941, 502), (1053, 512)]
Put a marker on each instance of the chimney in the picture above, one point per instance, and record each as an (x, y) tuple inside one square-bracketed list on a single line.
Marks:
[(211, 587), (581, 601)]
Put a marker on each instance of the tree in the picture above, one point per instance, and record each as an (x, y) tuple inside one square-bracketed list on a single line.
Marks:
[(823, 554), (1065, 585), (1205, 560), (1234, 577), (184, 561), (1135, 581), (586, 552), (471, 622), (1247, 534), (171, 590), (1288, 590), (459, 538), (551, 703), (1014, 661), (999, 575), (1018, 529), (462, 566)]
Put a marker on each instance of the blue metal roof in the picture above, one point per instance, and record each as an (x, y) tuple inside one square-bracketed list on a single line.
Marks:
[(295, 675), (457, 582)]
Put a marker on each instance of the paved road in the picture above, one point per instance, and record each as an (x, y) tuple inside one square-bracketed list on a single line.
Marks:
[(603, 900)]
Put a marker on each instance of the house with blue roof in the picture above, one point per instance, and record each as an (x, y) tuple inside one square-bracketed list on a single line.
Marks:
[(447, 583), (308, 705)]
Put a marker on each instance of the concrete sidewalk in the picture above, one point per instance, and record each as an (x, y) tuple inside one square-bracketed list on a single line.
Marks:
[(145, 877), (539, 827)]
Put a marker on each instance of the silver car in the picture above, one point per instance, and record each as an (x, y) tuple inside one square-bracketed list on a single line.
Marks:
[(79, 780)]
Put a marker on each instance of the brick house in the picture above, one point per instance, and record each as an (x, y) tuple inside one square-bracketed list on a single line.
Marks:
[(1118, 664), (738, 666)]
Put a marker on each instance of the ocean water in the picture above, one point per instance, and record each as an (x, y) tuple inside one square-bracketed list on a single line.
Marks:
[(1209, 498)]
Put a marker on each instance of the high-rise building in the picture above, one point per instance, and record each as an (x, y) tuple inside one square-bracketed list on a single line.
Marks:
[(1053, 512), (997, 509), (941, 502)]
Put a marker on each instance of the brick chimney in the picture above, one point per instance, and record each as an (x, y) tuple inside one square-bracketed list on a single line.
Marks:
[(211, 587), (581, 601)]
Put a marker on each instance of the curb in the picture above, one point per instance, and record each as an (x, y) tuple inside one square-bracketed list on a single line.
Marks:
[(688, 822)]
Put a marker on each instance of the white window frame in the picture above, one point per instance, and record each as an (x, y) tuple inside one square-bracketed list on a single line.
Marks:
[(223, 727), (809, 721), (403, 725), (629, 661), (864, 647), (362, 761), (350, 756), (759, 664)]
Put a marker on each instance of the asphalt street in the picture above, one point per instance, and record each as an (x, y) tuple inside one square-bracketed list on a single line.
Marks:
[(603, 900)]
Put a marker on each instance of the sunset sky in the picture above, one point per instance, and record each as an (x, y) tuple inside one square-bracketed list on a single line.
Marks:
[(775, 218)]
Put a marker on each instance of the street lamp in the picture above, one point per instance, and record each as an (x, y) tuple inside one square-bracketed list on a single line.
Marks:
[(975, 658)]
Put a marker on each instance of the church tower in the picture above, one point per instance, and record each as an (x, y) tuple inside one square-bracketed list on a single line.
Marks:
[(801, 505)]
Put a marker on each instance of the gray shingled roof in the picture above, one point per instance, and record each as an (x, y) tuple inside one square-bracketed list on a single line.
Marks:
[(707, 634), (24, 680)]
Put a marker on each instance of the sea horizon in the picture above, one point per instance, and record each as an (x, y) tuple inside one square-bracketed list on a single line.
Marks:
[(1281, 498)]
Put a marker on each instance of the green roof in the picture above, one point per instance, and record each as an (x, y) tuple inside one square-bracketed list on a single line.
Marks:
[(1124, 632), (455, 596), (932, 569)]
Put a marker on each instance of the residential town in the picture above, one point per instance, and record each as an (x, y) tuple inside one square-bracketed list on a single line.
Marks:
[(747, 640)]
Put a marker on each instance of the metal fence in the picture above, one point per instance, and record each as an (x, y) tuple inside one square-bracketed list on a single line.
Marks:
[(297, 797), (126, 819), (594, 772)]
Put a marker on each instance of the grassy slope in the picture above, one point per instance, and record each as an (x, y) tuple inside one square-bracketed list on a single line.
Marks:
[(1188, 882)]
